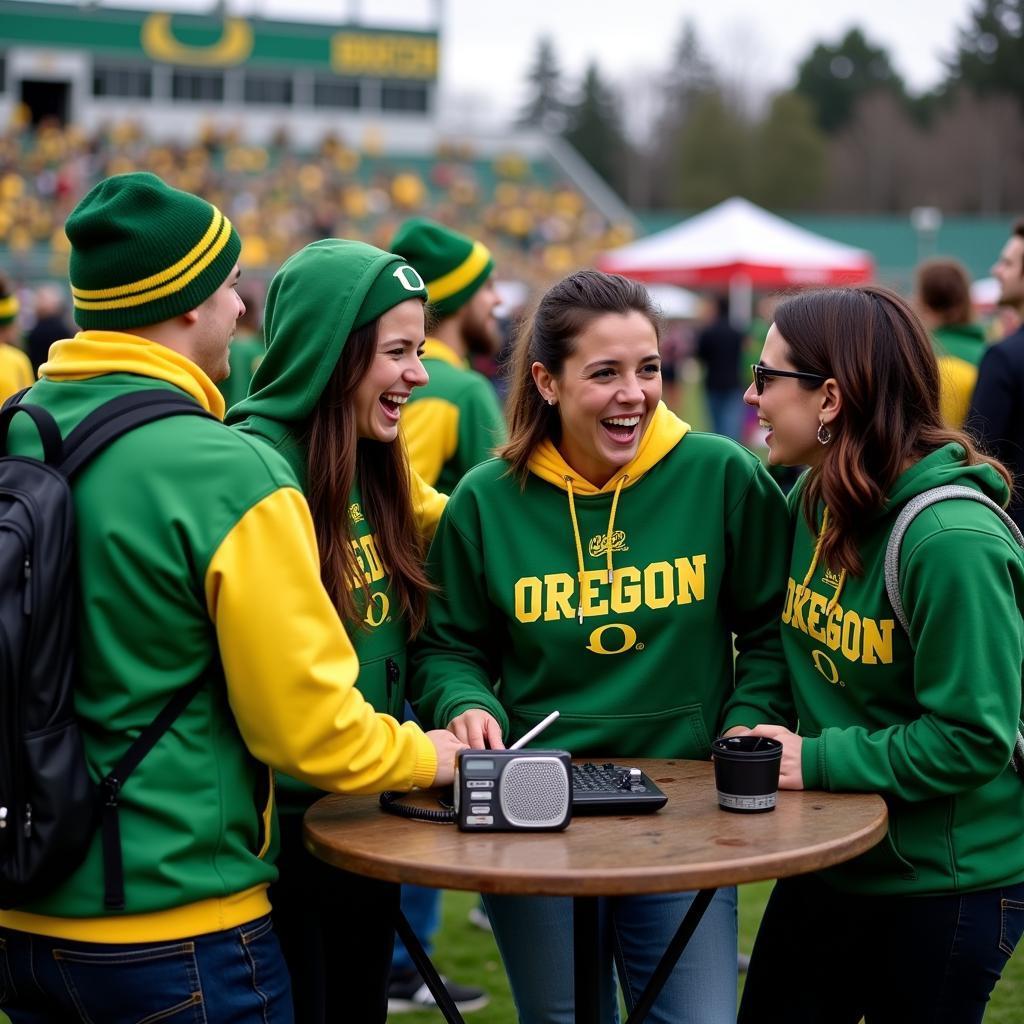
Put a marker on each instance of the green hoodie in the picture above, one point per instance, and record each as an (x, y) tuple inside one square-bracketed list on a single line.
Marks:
[(196, 556), (312, 304), (930, 728), (693, 524)]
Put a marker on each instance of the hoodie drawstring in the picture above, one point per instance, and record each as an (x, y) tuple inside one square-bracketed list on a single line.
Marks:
[(579, 543), (611, 524), (834, 599)]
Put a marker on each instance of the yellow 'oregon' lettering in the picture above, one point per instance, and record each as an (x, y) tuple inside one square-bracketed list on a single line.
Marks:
[(878, 641), (787, 612), (817, 607), (859, 638), (527, 598), (375, 569), (626, 590), (590, 602), (558, 589), (690, 579), (658, 579), (851, 635)]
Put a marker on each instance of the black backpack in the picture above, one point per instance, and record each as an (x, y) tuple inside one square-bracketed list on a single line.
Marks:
[(49, 805)]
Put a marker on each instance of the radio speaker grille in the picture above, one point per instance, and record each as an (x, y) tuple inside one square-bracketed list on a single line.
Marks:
[(535, 792)]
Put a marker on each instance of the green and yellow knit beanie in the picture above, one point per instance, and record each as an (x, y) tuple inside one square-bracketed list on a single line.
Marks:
[(453, 265), (143, 252)]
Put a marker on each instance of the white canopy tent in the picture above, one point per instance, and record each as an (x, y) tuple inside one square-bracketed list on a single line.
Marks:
[(739, 246)]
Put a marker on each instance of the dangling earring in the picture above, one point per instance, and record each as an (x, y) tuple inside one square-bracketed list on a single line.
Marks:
[(824, 434)]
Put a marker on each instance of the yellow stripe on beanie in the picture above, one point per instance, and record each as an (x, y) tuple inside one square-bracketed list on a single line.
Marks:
[(220, 237), (9, 307), (462, 276)]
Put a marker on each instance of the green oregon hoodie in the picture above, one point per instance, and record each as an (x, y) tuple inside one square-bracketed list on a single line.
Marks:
[(309, 316), (196, 556), (930, 729), (614, 605)]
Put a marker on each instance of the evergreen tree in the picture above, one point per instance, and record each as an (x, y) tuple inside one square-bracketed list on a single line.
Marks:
[(713, 153), (834, 78), (545, 105), (594, 127), (990, 51), (790, 160)]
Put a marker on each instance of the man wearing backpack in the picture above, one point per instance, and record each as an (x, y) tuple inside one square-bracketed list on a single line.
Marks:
[(197, 574)]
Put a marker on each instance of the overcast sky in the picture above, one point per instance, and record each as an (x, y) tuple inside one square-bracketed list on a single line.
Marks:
[(487, 45)]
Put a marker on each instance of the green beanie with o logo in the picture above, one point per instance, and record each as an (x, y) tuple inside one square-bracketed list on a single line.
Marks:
[(143, 252), (453, 265)]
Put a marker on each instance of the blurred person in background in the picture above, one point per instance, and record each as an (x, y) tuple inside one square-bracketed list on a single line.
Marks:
[(449, 425), (455, 421), (247, 349), (15, 369), (943, 301), (719, 347), (996, 414), (345, 326), (595, 454), (51, 324)]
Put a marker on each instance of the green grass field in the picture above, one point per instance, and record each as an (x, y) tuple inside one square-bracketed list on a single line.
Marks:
[(469, 955)]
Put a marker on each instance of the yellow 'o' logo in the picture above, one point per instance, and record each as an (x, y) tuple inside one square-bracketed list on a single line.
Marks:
[(378, 609), (597, 638), (827, 667)]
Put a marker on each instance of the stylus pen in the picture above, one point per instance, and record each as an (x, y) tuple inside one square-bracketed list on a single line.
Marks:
[(536, 730)]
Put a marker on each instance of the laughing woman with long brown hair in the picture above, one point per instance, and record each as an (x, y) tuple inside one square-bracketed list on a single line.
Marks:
[(345, 327), (925, 713)]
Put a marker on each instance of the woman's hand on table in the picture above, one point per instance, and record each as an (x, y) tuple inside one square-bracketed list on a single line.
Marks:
[(447, 746), (477, 729), (791, 773)]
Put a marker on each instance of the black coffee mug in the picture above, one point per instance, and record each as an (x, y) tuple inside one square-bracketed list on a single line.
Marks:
[(747, 773)]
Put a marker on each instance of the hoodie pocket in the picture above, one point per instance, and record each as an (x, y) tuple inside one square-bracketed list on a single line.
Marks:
[(671, 732), (382, 683)]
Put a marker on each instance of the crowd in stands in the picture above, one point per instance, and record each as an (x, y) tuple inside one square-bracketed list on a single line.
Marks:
[(538, 225)]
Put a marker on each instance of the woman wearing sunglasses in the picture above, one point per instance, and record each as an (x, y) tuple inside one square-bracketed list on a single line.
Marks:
[(919, 928)]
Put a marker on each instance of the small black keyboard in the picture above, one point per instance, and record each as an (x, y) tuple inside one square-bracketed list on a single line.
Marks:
[(613, 789)]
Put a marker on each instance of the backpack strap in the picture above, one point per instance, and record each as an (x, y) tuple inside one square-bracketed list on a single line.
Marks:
[(99, 429), (110, 789), (46, 425), (119, 416), (907, 515)]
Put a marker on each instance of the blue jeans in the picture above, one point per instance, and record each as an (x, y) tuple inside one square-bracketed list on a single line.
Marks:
[(534, 935), (230, 977), (726, 409), (828, 957)]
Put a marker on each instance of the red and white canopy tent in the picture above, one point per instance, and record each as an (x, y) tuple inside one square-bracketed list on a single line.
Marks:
[(739, 246)]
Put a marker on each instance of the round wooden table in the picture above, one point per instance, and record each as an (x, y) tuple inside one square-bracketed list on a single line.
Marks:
[(688, 845)]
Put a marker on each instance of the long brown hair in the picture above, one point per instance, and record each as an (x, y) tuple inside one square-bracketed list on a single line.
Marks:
[(336, 457), (548, 337), (874, 345)]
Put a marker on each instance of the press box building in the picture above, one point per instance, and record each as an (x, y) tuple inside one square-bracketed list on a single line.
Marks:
[(90, 65)]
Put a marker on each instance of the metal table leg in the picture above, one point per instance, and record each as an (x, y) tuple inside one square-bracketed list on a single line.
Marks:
[(428, 972), (671, 956), (586, 958)]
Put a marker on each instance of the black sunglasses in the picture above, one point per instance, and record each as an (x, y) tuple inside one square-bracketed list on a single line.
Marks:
[(762, 373)]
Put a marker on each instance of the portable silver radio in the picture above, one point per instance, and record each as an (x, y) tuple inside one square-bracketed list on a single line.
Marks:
[(512, 790)]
